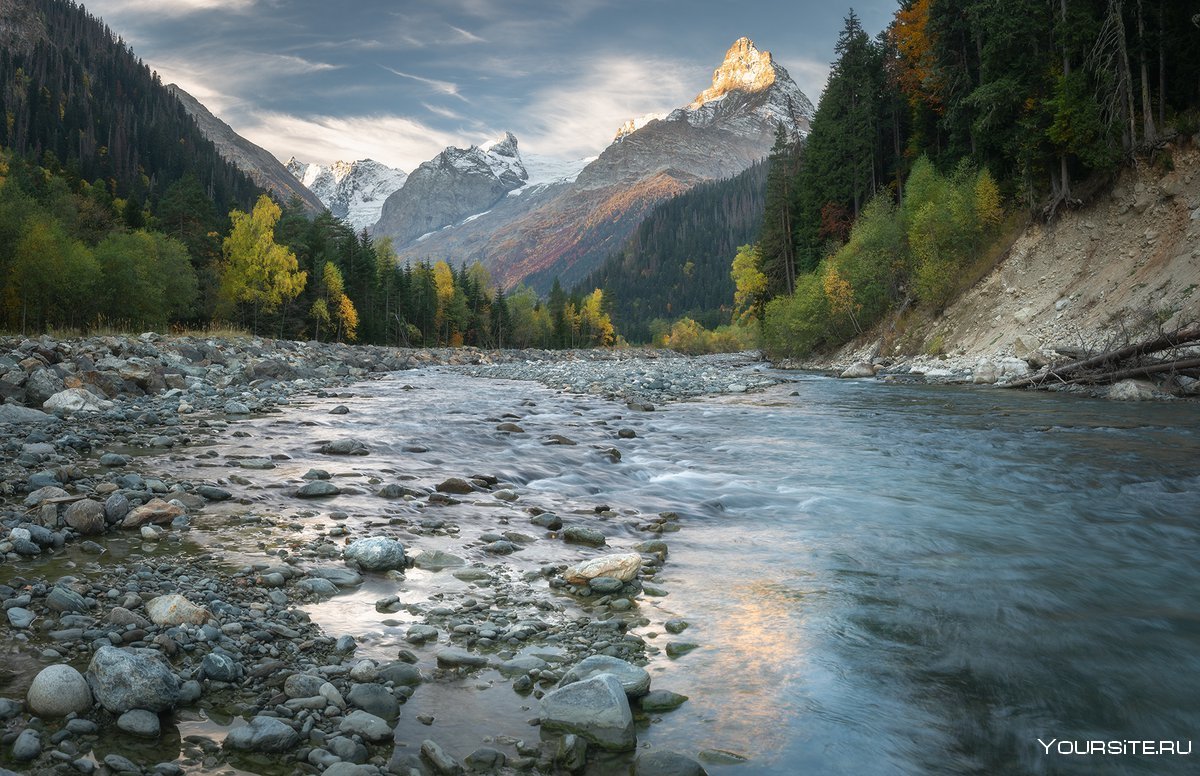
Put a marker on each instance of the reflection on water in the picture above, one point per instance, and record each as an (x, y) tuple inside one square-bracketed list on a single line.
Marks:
[(882, 579)]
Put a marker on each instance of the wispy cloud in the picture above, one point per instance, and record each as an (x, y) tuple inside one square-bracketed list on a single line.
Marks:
[(445, 113), (443, 87), (398, 141), (168, 7), (466, 37), (578, 115)]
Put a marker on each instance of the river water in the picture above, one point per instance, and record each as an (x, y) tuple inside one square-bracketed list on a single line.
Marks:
[(882, 579)]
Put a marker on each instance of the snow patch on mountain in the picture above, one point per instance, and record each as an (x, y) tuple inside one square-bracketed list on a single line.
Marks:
[(633, 125), (353, 191)]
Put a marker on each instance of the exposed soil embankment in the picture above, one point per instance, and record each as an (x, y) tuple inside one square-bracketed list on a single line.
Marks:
[(1117, 270)]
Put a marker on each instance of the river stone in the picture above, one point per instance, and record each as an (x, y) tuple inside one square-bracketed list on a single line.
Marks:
[(511, 428), (547, 520), (42, 494), (342, 577), (374, 699), (419, 634), (376, 554), (76, 400), (140, 722), (1132, 390), (220, 668), (174, 609), (154, 511), (436, 560), (27, 746), (345, 447), (350, 769), (86, 517), (302, 686), (113, 460), (662, 700), (623, 566), (15, 413), (263, 734), (317, 489), (595, 709), (577, 534), (442, 763), (606, 584), (857, 370), (322, 588), (57, 691), (116, 507), (680, 648), (663, 763), (401, 674), (367, 725), (61, 599), (455, 485), (124, 679), (20, 618), (452, 657), (233, 407), (634, 679), (213, 493)]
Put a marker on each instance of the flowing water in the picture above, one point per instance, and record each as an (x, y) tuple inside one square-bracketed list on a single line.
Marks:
[(882, 579)]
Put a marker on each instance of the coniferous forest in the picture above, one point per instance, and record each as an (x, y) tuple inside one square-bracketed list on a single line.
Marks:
[(116, 212)]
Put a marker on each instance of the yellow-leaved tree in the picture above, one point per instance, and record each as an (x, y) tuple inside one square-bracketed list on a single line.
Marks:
[(333, 306), (840, 295), (594, 323), (749, 285), (257, 270)]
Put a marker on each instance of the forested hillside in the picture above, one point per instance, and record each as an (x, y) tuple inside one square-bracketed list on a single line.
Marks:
[(73, 94), (925, 135), (677, 262)]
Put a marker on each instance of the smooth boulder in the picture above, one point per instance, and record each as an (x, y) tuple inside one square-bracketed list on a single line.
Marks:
[(153, 511), (86, 517), (664, 763), (595, 709), (174, 609), (124, 679), (623, 566), (635, 680), (264, 734), (376, 554), (57, 691)]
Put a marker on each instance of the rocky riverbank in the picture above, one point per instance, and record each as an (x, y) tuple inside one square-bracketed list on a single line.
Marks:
[(127, 625)]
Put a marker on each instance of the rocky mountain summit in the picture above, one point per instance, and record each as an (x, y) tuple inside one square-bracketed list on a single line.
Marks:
[(567, 229), (456, 184), (353, 191)]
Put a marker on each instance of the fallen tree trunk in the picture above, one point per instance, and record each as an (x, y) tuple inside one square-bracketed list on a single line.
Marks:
[(1066, 372), (1142, 371)]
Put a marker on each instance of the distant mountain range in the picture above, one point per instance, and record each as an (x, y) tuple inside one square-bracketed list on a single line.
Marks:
[(353, 191), (459, 208)]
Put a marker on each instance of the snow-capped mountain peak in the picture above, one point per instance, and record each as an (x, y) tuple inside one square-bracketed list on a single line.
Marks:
[(633, 125), (353, 191)]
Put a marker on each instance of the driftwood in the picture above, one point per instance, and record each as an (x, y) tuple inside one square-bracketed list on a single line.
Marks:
[(1108, 366)]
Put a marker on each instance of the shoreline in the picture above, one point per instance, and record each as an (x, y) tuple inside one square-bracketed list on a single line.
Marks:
[(79, 502)]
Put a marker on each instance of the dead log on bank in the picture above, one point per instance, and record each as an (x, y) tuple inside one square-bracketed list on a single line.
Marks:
[(1110, 366)]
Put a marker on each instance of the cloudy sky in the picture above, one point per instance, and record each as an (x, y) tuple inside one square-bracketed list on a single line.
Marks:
[(399, 81)]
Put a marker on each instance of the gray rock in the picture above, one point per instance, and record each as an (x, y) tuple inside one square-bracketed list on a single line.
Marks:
[(116, 507), (401, 674), (350, 769), (86, 517), (485, 760), (213, 493), (118, 764), (322, 588), (376, 554), (662, 700), (43, 493), (60, 599), (436, 756), (27, 746), (20, 618), (663, 763), (455, 485), (16, 414), (302, 686), (858, 370), (236, 408), (113, 460), (547, 520), (595, 709), (76, 400), (453, 657), (1132, 390), (606, 584), (345, 447), (375, 699), (367, 725), (317, 489), (577, 534), (220, 667), (263, 734), (341, 409), (140, 722), (436, 560), (57, 691), (679, 648), (10, 708), (124, 679), (634, 679), (342, 577), (419, 634)]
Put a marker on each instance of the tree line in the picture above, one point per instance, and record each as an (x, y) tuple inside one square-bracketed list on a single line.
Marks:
[(925, 132), (74, 256)]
